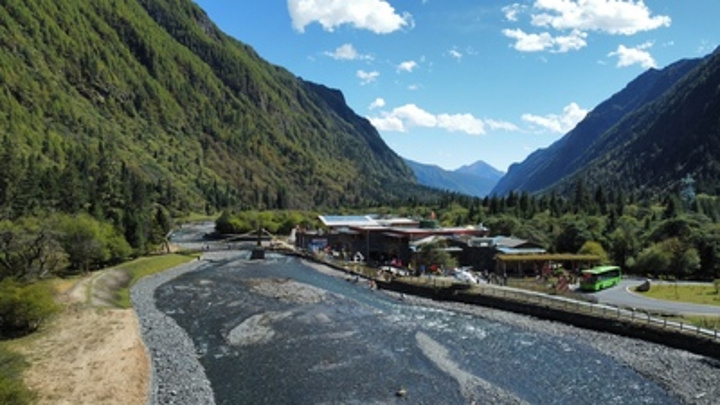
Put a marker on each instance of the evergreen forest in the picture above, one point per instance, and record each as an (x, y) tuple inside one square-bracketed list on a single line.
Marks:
[(122, 115), (676, 237)]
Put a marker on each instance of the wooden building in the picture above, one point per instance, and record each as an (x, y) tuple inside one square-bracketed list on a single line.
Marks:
[(377, 240)]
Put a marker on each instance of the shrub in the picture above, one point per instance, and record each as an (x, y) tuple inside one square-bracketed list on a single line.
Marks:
[(716, 283), (12, 389), (23, 308)]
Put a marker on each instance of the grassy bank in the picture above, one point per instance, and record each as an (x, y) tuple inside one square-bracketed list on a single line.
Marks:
[(707, 322), (13, 363), (146, 266), (705, 294), (12, 388)]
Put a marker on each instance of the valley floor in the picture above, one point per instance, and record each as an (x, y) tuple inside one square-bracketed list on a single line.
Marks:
[(93, 354), (89, 354)]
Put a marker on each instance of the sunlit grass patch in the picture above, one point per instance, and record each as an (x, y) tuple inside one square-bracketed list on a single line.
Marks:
[(146, 266), (708, 322), (691, 293), (12, 388), (197, 217)]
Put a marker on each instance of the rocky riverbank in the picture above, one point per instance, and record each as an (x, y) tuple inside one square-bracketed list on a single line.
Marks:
[(177, 376)]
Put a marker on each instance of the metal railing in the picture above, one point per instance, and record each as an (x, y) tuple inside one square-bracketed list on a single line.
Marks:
[(607, 311)]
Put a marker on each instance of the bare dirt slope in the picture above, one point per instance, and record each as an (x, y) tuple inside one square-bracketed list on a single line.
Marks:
[(91, 353)]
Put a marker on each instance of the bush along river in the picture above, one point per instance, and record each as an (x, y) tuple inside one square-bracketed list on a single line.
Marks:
[(279, 331)]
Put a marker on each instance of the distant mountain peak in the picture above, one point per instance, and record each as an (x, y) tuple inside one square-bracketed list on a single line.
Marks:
[(481, 169), (476, 179)]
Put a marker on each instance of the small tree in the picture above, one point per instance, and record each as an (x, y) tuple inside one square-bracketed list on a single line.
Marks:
[(29, 249), (687, 262), (90, 243), (573, 235), (23, 308), (594, 248), (81, 240), (435, 254), (653, 260)]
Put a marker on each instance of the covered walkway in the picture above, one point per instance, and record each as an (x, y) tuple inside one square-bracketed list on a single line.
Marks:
[(542, 264)]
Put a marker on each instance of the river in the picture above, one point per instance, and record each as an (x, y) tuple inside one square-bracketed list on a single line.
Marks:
[(278, 331)]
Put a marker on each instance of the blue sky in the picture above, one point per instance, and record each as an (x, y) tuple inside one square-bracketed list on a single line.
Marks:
[(451, 82)]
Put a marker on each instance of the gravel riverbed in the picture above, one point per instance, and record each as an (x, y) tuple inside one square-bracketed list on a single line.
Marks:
[(179, 378)]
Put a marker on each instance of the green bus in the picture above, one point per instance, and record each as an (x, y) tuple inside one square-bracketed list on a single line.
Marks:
[(600, 277)]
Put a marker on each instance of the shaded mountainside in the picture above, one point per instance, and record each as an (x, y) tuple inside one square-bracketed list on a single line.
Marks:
[(476, 180), (151, 89), (652, 149), (590, 138)]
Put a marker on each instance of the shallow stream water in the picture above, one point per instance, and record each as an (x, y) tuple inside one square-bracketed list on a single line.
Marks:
[(280, 332)]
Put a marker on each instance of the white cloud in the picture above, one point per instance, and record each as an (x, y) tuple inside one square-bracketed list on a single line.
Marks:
[(512, 11), (405, 117), (572, 114), (501, 125), (573, 42), (626, 17), (407, 66), (568, 22), (377, 16), (461, 123), (545, 41), (388, 123), (455, 54), (347, 52), (634, 56), (367, 77), (414, 116), (529, 42), (377, 103)]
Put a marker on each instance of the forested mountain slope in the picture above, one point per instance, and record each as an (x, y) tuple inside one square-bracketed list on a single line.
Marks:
[(546, 167), (652, 149), (107, 104)]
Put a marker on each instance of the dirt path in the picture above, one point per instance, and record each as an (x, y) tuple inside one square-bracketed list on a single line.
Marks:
[(91, 353)]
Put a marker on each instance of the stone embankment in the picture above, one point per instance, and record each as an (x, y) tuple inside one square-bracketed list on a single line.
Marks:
[(177, 375)]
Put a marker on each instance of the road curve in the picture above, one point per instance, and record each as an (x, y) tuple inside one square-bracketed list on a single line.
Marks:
[(621, 295)]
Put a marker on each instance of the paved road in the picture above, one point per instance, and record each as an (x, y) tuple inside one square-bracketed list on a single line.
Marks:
[(622, 296)]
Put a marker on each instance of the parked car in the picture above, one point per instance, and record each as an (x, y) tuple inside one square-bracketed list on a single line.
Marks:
[(396, 271), (465, 276)]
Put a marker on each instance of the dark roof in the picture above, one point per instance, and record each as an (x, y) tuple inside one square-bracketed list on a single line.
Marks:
[(547, 257)]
